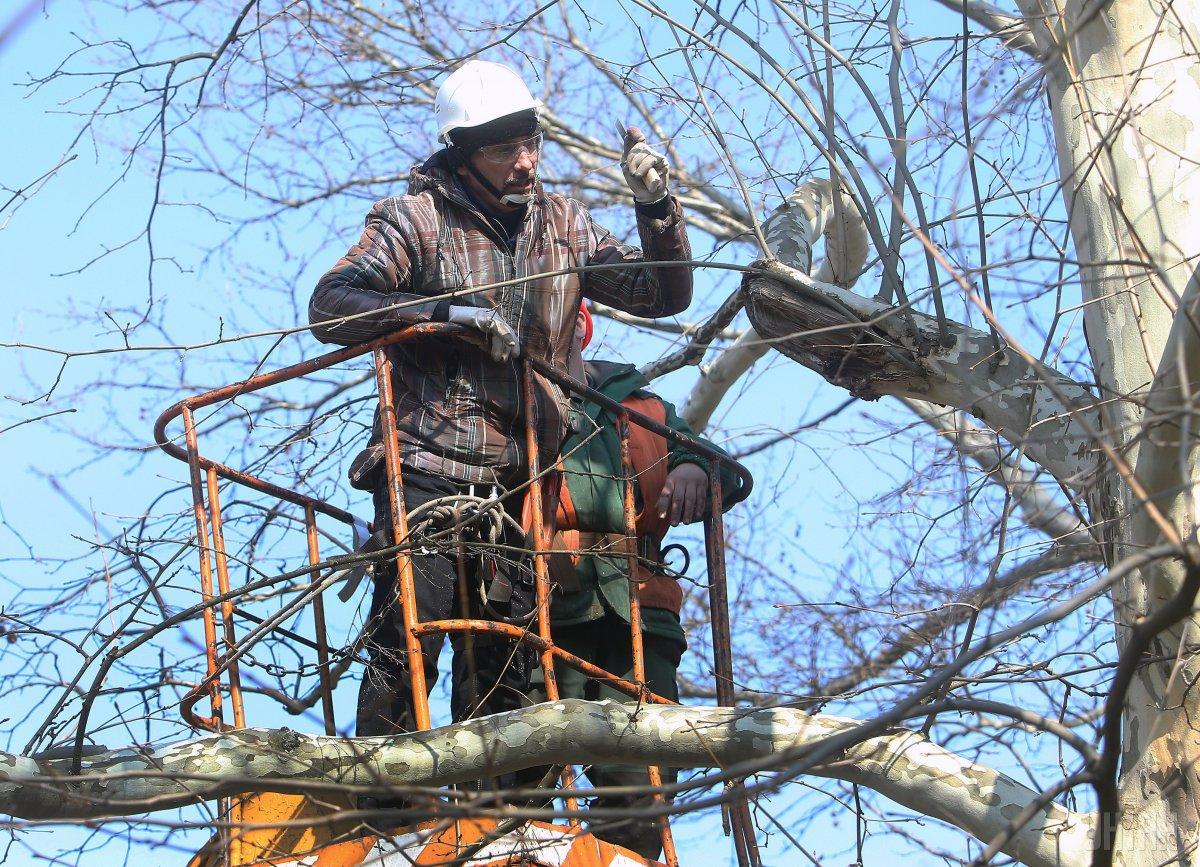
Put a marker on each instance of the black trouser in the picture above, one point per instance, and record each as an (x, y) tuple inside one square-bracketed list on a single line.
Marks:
[(494, 676), (607, 643)]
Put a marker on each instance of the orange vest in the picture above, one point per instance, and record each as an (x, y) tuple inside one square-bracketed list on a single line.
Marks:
[(648, 454)]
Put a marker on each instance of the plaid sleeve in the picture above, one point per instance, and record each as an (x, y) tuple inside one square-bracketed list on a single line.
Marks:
[(636, 289), (357, 298)]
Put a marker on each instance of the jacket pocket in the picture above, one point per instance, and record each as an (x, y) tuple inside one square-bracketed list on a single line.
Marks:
[(366, 467)]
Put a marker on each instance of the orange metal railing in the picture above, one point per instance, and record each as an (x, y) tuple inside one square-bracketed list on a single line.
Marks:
[(223, 650)]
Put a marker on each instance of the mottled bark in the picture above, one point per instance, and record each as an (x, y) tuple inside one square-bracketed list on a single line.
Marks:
[(791, 231), (1123, 82), (1161, 780), (901, 765), (873, 349)]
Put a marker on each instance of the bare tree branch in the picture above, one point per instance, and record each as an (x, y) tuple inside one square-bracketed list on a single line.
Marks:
[(1039, 510), (902, 765), (1005, 26), (872, 349)]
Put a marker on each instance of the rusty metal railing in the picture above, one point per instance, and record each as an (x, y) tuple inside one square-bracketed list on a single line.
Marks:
[(223, 652)]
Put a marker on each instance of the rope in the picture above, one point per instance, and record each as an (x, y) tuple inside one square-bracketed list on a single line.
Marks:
[(476, 519), (479, 524)]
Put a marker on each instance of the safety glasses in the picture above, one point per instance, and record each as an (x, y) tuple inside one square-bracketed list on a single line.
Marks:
[(510, 151)]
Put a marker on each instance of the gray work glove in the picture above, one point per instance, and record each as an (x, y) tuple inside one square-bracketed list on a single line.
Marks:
[(645, 169), (500, 340)]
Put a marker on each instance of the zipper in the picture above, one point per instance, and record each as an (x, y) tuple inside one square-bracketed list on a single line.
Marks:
[(451, 382), (480, 218)]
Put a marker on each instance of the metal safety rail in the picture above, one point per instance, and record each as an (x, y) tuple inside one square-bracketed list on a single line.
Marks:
[(223, 650)]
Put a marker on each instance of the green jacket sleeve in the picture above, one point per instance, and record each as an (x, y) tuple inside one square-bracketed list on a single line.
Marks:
[(732, 489)]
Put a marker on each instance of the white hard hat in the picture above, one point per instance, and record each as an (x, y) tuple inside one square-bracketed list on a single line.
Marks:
[(479, 92)]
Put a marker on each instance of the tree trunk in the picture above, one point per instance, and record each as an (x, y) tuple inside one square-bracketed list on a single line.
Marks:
[(1123, 84)]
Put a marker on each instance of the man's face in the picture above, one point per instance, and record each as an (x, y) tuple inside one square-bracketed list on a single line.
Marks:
[(509, 166)]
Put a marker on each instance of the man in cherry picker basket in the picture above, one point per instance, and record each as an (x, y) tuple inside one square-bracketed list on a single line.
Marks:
[(476, 215)]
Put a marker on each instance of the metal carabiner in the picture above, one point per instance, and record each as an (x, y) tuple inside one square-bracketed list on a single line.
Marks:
[(670, 570)]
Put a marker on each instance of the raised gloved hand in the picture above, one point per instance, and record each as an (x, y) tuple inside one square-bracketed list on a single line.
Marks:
[(500, 340), (684, 496), (645, 169)]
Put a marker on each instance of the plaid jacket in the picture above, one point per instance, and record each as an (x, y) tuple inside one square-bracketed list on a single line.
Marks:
[(459, 413)]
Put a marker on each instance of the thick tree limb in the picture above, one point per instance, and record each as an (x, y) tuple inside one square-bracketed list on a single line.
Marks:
[(873, 349), (719, 377), (898, 353), (792, 230), (1039, 509), (900, 765)]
